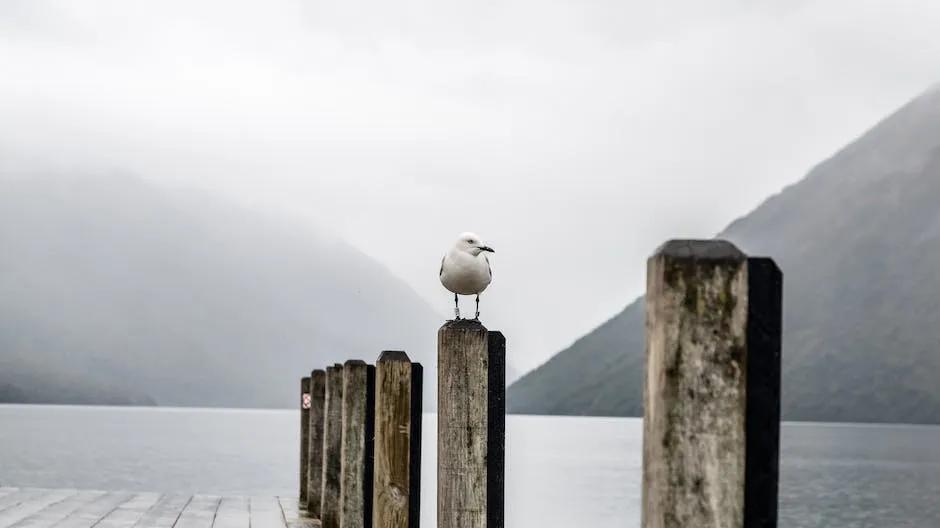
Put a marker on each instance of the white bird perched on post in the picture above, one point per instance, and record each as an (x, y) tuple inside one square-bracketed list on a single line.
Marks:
[(465, 270)]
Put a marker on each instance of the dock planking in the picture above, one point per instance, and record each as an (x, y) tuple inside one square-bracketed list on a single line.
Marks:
[(57, 512), (129, 513), (266, 513), (233, 513), (72, 508), (200, 512), (292, 515), (30, 502), (14, 496), (165, 512), (93, 512)]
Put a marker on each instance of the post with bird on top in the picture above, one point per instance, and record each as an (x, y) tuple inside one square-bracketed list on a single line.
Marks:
[(471, 399), (711, 424)]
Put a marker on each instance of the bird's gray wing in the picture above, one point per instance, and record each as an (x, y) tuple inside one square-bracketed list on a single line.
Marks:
[(488, 268), (441, 273)]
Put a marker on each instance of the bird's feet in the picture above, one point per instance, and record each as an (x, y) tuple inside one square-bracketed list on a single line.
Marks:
[(456, 314), (476, 317)]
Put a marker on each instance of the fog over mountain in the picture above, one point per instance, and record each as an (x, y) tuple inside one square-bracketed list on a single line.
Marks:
[(113, 290), (858, 241), (590, 131)]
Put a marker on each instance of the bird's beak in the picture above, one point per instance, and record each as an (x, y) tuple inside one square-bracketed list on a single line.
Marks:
[(487, 248)]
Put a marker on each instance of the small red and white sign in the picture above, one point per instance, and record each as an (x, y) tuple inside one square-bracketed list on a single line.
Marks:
[(305, 401)]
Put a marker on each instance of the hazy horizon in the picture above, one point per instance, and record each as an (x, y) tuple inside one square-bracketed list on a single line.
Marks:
[(574, 142)]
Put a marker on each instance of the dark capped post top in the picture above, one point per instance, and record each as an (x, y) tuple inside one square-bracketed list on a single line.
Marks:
[(468, 325), (393, 355), (701, 249)]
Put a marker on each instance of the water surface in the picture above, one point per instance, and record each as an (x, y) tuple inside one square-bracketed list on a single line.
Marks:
[(582, 472)]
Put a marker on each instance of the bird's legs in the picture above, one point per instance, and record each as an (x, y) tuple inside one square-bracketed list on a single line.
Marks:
[(477, 316), (456, 308)]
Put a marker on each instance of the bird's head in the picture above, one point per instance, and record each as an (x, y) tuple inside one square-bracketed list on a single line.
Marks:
[(472, 244)]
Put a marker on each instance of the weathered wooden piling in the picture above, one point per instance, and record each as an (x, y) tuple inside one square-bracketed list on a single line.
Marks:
[(397, 481), (304, 435), (332, 447), (356, 455), (471, 425), (711, 423), (315, 444)]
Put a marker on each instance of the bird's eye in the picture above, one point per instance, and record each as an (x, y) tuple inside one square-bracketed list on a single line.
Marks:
[(470, 241)]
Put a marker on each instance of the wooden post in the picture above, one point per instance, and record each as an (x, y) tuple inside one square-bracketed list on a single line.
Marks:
[(397, 483), (332, 447), (711, 426), (471, 425), (304, 435), (315, 445), (358, 434)]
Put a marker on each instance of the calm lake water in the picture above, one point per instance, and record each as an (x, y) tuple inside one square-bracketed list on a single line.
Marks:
[(582, 472)]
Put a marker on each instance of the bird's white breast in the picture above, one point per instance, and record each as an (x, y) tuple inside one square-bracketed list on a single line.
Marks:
[(464, 274)]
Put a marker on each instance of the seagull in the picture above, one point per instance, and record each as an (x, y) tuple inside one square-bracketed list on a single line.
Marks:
[(465, 270)]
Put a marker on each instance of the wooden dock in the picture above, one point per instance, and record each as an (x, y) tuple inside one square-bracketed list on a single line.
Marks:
[(73, 508), (711, 426)]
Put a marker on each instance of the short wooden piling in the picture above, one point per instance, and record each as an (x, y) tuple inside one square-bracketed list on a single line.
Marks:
[(358, 433), (711, 423), (471, 426), (315, 445), (397, 481), (304, 435), (332, 447)]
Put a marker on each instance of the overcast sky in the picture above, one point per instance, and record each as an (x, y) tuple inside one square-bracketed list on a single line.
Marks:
[(574, 136)]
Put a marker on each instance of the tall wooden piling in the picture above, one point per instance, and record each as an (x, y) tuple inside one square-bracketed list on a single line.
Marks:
[(315, 445), (304, 435), (471, 426), (711, 423), (397, 481), (332, 447), (358, 433)]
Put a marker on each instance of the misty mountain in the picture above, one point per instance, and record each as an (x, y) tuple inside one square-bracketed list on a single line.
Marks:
[(113, 290), (858, 240)]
